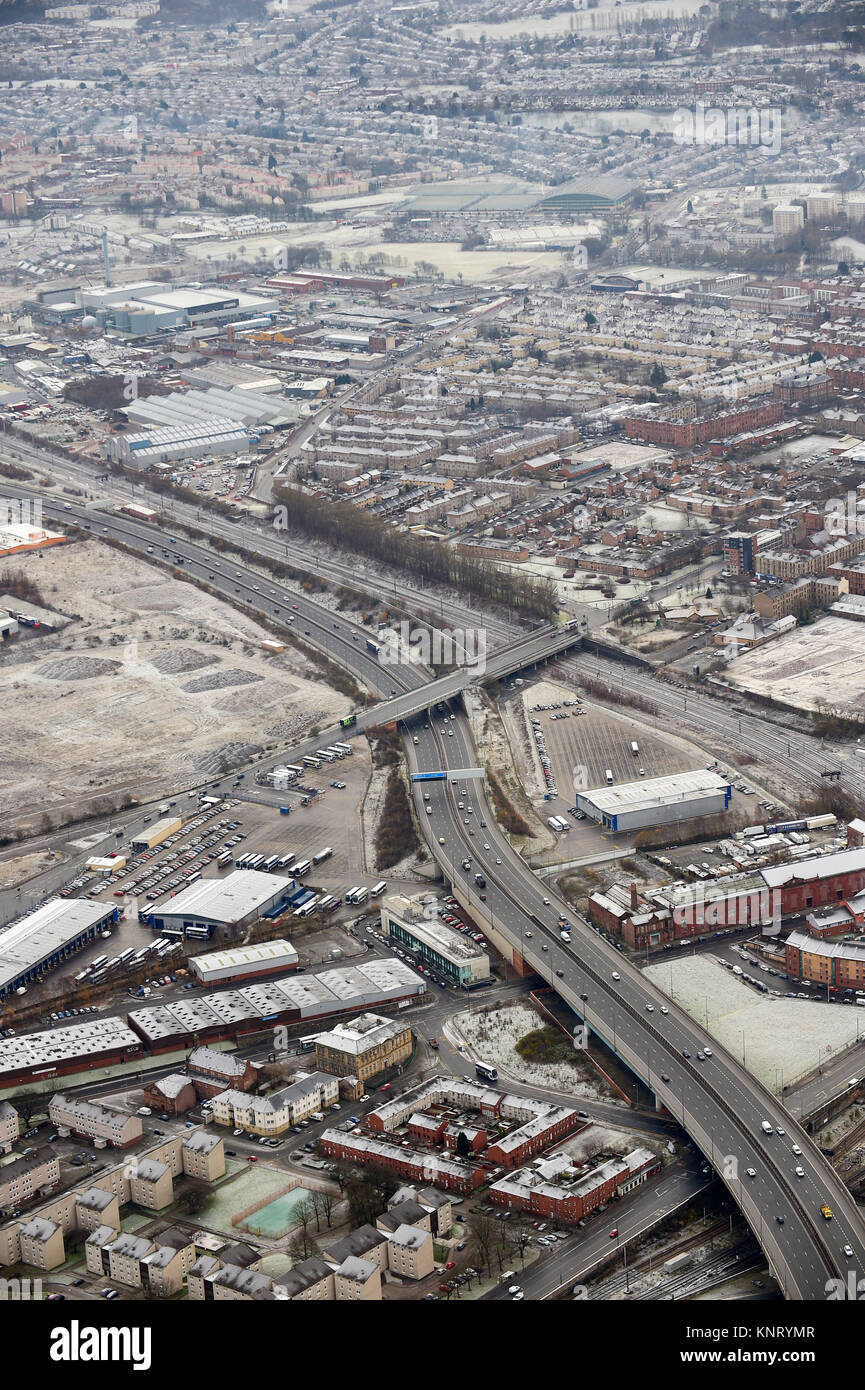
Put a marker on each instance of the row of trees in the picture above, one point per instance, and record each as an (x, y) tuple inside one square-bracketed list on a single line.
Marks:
[(429, 562)]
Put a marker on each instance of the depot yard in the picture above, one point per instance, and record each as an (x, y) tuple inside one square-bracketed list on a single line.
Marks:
[(822, 661), (330, 821), (778, 1040)]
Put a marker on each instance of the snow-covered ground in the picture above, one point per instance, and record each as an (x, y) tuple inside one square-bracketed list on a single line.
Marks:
[(493, 1037), (778, 1039)]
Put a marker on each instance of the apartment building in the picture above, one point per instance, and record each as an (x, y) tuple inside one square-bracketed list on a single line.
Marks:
[(357, 1280), (275, 1113), (203, 1155), (10, 1126), (159, 1264), (32, 1175), (310, 1281), (410, 1252), (41, 1244), (365, 1046), (95, 1208), (94, 1121), (150, 1184), (557, 1189)]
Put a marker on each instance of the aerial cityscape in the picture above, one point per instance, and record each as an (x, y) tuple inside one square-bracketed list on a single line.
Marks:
[(432, 657)]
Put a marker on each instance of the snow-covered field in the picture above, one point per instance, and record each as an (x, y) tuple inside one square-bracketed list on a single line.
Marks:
[(493, 1037), (778, 1039)]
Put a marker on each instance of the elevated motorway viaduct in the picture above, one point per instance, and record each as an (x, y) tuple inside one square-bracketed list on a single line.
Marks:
[(720, 1105)]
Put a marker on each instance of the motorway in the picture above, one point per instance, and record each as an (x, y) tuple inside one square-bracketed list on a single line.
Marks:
[(716, 1101)]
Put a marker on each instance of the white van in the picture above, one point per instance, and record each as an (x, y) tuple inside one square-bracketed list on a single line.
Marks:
[(766, 1127)]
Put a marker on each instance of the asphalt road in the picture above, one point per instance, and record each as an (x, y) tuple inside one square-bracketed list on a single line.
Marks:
[(719, 1103)]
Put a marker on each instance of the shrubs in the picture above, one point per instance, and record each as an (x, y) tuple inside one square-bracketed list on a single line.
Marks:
[(544, 1045), (507, 815), (396, 836)]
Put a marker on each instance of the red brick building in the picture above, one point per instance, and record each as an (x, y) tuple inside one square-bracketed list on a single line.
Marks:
[(449, 1173)]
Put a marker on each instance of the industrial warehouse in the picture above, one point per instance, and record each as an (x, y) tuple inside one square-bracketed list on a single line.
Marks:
[(242, 897), (229, 1013), (47, 937), (656, 801), (244, 962), (42, 1057)]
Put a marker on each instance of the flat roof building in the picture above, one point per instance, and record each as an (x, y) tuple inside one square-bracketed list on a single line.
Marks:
[(415, 924), (656, 800), (44, 939), (243, 896), (245, 962)]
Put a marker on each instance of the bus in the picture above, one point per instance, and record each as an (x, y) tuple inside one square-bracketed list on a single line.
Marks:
[(223, 860), (310, 761), (82, 975), (307, 1044), (350, 895), (486, 1072), (635, 748), (327, 902), (159, 943), (125, 955), (302, 868), (255, 861), (242, 860), (356, 896), (335, 751), (379, 888), (322, 855), (609, 776), (373, 647), (332, 905), (99, 963), (324, 755), (308, 908), (293, 769), (348, 721), (347, 750), (270, 864), (141, 955), (287, 860), (198, 933)]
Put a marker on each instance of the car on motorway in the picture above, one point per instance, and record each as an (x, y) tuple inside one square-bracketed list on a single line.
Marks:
[(614, 1232), (800, 1172), (664, 1010), (616, 975), (752, 1172), (826, 1212), (848, 1251), (797, 1151)]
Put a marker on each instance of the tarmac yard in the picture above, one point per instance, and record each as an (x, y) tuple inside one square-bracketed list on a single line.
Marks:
[(582, 746)]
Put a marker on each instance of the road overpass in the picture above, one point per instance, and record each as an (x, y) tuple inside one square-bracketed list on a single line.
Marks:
[(716, 1100)]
